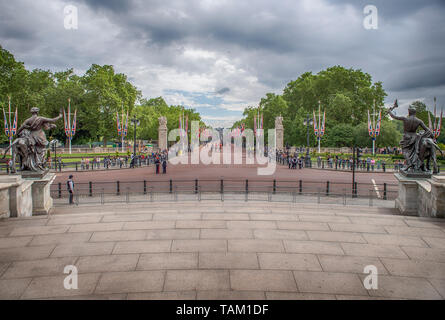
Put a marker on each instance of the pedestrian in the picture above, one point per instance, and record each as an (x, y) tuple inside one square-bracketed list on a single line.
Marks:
[(70, 187), (164, 166), (157, 162)]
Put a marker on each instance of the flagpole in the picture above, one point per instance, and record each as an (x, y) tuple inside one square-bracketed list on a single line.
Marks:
[(69, 122), (319, 125), (122, 132), (10, 127), (374, 126)]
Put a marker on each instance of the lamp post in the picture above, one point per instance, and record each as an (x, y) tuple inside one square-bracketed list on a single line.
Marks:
[(53, 144), (307, 122)]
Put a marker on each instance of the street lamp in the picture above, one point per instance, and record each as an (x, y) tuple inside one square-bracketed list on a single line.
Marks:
[(307, 122), (135, 122), (53, 143)]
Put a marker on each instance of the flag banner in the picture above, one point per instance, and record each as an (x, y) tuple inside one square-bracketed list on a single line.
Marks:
[(322, 125), (377, 126), (126, 126), (254, 125), (119, 129), (65, 122), (14, 124), (186, 124), (73, 128), (6, 124), (315, 125), (370, 129)]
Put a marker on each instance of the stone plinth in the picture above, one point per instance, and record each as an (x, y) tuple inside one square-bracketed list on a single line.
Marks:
[(42, 201), (162, 133), (279, 133), (18, 195), (421, 196)]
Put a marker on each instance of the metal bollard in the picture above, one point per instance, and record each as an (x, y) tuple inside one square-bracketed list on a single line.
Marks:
[(117, 188), (222, 186), (300, 187), (76, 166), (91, 189), (171, 186), (145, 187), (247, 186), (196, 185), (274, 186), (327, 188), (60, 190), (384, 191)]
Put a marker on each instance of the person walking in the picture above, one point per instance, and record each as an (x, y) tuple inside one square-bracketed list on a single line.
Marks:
[(70, 187), (164, 166), (157, 162)]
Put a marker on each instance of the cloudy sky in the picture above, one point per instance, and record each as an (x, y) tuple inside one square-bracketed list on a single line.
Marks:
[(219, 56)]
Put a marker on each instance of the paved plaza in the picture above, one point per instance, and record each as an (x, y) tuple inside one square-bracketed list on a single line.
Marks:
[(222, 250)]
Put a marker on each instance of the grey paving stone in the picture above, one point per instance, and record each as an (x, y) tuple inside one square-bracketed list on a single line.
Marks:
[(378, 221), (298, 296), (414, 231), (439, 285), (162, 261), (170, 234), (334, 236), (12, 289), (119, 235), (172, 295), (34, 230), (199, 245), (425, 253), (415, 268), (176, 216), (226, 234), (183, 280), (225, 216), (289, 261), (127, 217), (302, 225), (230, 295), (373, 250), (53, 286), (255, 245), (274, 217), (354, 227), (65, 220), (350, 264), (142, 246), (280, 234), (62, 238), (315, 247), (103, 226), (438, 243), (392, 239), (329, 282), (262, 280), (251, 224), (132, 281), (107, 263), (404, 287), (228, 260), (141, 225), (37, 268), (323, 218), (25, 253), (200, 224), (14, 242), (82, 249)]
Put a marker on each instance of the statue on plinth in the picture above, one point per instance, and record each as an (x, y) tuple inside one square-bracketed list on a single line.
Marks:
[(416, 146), (30, 144)]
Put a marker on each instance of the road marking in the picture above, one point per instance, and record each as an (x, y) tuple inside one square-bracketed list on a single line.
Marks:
[(376, 188)]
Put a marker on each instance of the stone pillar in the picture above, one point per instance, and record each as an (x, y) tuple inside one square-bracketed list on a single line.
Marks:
[(279, 133), (162, 133), (423, 197), (42, 201), (19, 196)]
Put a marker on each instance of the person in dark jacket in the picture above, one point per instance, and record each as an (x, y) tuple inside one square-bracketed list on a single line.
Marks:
[(157, 163), (164, 166), (70, 187)]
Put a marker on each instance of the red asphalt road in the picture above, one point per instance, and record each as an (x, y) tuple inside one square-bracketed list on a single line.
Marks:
[(312, 178)]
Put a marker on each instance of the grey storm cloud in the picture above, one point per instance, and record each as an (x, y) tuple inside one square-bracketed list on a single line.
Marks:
[(267, 43)]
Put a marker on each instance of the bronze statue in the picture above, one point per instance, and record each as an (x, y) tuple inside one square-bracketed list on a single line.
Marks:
[(416, 147), (30, 144)]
